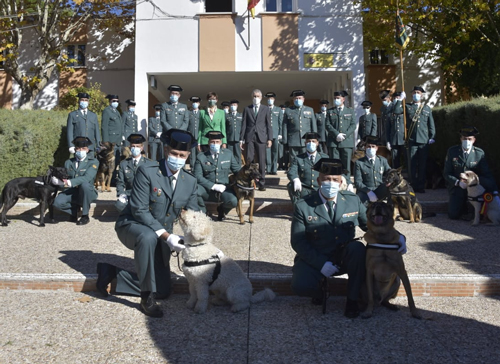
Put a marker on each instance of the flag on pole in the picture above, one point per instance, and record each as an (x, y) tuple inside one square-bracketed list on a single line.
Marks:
[(251, 7), (402, 38)]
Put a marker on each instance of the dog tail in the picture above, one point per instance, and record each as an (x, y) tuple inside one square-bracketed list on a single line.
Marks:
[(265, 295)]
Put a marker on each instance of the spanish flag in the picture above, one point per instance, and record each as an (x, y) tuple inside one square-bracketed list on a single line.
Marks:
[(251, 7), (402, 38)]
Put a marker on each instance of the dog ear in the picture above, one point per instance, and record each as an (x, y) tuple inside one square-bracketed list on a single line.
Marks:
[(399, 169)]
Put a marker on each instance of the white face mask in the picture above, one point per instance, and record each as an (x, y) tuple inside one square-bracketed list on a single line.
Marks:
[(195, 105), (467, 144), (367, 111), (135, 151), (323, 108), (329, 189), (256, 100), (370, 152), (270, 102), (338, 102), (386, 103), (311, 147), (417, 97)]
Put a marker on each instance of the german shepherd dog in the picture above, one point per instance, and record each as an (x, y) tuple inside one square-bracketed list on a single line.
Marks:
[(39, 188), (244, 184), (385, 268), (106, 158), (402, 197)]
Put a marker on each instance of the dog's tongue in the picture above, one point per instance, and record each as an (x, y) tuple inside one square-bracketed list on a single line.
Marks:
[(378, 219), (387, 184)]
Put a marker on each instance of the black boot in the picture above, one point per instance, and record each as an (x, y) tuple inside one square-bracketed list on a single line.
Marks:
[(149, 305), (221, 214), (84, 220), (105, 274), (351, 309)]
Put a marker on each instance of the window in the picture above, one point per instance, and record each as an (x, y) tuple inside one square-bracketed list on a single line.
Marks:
[(379, 57), (219, 6), (76, 52), (280, 6), (3, 54)]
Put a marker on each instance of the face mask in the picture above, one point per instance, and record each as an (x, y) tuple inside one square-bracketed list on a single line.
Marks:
[(212, 102), (234, 108), (215, 148), (370, 152), (417, 97), (81, 154), (270, 101), (311, 147), (256, 100), (323, 108), (175, 163), (84, 104), (329, 189), (196, 105), (226, 111), (367, 111), (298, 102), (114, 105), (338, 102), (282, 111), (135, 151), (386, 103), (132, 109), (174, 98), (157, 113), (467, 144)]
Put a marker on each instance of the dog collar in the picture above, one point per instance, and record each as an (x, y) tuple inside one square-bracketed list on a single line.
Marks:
[(383, 246), (245, 188)]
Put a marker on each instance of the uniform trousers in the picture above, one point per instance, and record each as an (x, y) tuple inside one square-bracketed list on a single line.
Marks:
[(344, 154), (227, 198), (71, 199), (234, 147), (418, 159), (398, 152), (457, 204), (272, 157), (156, 149)]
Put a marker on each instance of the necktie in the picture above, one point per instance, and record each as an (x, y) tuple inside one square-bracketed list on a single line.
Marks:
[(172, 181), (465, 155), (330, 209), (255, 110), (135, 163), (372, 162), (312, 158)]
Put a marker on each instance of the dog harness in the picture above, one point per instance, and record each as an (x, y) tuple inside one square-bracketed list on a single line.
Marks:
[(485, 198), (214, 259), (383, 246)]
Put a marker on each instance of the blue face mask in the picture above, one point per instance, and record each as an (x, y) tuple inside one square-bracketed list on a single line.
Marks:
[(81, 154), (175, 163), (234, 108), (370, 152), (323, 108), (298, 102), (467, 144), (215, 148), (311, 147), (174, 98), (338, 102), (135, 151), (270, 101), (131, 109), (386, 103), (417, 97), (84, 104), (157, 113), (329, 189), (195, 105), (114, 105)]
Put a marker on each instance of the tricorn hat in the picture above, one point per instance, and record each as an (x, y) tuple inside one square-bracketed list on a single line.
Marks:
[(174, 88), (178, 139), (469, 131), (234, 101), (311, 135), (366, 103), (136, 139), (81, 142), (214, 134), (324, 102), (270, 94), (297, 93), (130, 102), (157, 107), (112, 97), (329, 166), (384, 93), (225, 103), (418, 88), (83, 95), (195, 99), (369, 139)]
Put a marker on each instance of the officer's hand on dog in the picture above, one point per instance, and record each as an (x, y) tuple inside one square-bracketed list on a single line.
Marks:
[(72, 150), (173, 242), (123, 198), (219, 188), (56, 181), (462, 185), (372, 196), (402, 243), (329, 269), (297, 185)]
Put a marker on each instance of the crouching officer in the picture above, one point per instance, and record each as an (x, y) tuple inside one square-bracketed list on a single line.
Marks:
[(128, 169), (159, 194), (79, 188), (212, 170)]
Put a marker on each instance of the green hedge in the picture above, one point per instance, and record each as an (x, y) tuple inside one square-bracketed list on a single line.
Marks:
[(30, 141), (484, 114)]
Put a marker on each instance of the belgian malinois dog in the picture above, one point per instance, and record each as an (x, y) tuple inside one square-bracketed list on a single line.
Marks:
[(402, 197), (385, 268), (244, 184), (106, 158)]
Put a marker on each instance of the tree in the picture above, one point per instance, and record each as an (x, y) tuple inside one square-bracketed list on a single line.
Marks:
[(54, 22)]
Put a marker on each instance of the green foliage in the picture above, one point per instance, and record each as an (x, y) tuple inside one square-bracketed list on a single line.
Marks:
[(30, 141), (483, 113)]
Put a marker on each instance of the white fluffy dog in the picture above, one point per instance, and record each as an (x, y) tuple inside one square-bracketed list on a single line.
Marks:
[(206, 268), (474, 190)]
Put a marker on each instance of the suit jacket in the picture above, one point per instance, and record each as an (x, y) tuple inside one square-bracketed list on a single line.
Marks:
[(126, 174), (276, 121), (320, 122), (111, 125), (194, 123), (209, 172), (218, 123), (258, 126), (302, 168), (424, 128), (340, 122), (367, 125), (296, 122), (86, 126), (233, 127), (174, 116), (367, 177), (130, 125), (314, 236), (154, 127), (85, 173)]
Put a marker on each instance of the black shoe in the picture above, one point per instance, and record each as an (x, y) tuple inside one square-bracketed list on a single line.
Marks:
[(273, 173), (150, 307), (351, 309), (84, 220), (262, 188), (317, 301), (105, 274), (221, 213), (73, 218)]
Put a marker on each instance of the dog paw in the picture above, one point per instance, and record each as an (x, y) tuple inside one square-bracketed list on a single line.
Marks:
[(242, 222), (190, 304), (200, 309), (250, 221), (416, 314), (390, 306), (366, 314)]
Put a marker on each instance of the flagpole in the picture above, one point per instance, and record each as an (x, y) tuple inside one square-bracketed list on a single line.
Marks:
[(248, 29)]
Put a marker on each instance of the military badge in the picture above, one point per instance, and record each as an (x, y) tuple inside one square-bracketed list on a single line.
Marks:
[(94, 166), (155, 189), (309, 218), (159, 193), (350, 214)]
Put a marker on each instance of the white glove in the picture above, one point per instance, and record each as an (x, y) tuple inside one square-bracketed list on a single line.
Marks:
[(403, 95), (388, 146), (72, 150), (123, 198), (56, 181), (297, 185), (357, 141), (123, 137), (402, 242), (350, 188), (280, 137), (462, 185), (329, 269), (158, 134), (173, 242), (340, 137), (372, 196), (219, 188), (431, 141)]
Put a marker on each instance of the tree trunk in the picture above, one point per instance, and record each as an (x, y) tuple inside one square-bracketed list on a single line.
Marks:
[(27, 100)]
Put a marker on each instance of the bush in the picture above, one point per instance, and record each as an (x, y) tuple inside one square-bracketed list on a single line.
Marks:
[(30, 141), (482, 113)]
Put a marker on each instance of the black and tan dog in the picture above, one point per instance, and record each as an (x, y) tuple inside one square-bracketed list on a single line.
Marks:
[(244, 184), (39, 188), (385, 268), (402, 196), (106, 158)]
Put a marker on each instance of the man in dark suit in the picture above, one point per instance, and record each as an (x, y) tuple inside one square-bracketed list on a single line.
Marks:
[(83, 122), (159, 193), (256, 134)]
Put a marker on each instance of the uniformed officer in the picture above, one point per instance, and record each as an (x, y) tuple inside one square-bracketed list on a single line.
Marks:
[(395, 129), (302, 176), (277, 125), (369, 171), (128, 168), (130, 121), (154, 131), (461, 158), (159, 193), (225, 106), (79, 190), (83, 122), (194, 126), (340, 126), (421, 133), (385, 114), (321, 122), (174, 114), (298, 120), (283, 154), (233, 130), (212, 171), (111, 124), (367, 122)]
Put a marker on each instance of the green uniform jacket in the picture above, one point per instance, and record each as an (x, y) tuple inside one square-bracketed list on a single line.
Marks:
[(297, 122), (174, 116), (395, 126), (130, 124), (367, 177), (386, 113), (340, 122), (85, 173), (367, 125), (218, 123), (321, 124), (276, 121), (233, 127), (208, 172), (111, 126), (154, 127), (85, 126), (302, 168), (424, 127), (314, 236), (476, 162), (126, 174), (194, 123)]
